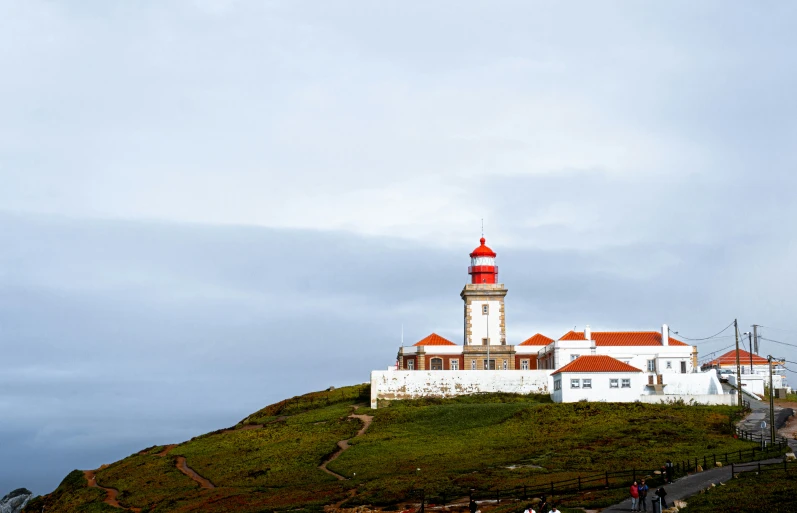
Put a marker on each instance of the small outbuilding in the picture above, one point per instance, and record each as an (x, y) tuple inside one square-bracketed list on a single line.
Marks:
[(597, 378)]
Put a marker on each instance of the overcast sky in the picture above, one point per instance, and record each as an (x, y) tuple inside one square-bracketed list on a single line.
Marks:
[(209, 206)]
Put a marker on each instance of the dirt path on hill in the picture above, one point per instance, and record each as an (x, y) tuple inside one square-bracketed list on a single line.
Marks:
[(183, 467), (344, 444), (166, 450), (111, 493)]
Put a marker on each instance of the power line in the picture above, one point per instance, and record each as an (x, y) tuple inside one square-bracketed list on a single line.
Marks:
[(776, 341), (712, 353), (706, 338)]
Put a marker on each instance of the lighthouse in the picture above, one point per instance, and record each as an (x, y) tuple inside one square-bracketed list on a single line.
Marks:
[(485, 324)]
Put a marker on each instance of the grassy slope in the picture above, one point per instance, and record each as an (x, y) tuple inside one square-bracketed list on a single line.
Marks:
[(74, 495), (456, 443), (773, 492)]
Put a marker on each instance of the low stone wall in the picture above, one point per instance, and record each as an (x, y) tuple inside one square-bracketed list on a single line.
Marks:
[(727, 399), (400, 384)]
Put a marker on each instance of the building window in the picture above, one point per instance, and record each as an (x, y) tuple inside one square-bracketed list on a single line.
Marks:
[(626, 383), (573, 357), (613, 383), (587, 383), (492, 364), (485, 341), (437, 364), (505, 365), (485, 309), (557, 384), (453, 364), (651, 365), (669, 364), (683, 367), (473, 365), (524, 365), (410, 364), (627, 362), (575, 383)]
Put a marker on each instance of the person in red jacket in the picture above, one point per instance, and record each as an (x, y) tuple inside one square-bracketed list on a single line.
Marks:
[(634, 497)]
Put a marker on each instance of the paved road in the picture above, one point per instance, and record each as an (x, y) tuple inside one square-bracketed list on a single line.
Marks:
[(692, 484)]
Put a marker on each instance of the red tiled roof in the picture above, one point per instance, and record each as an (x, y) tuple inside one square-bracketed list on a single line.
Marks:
[(597, 363), (482, 250), (434, 340), (573, 335), (729, 358), (536, 340), (631, 338)]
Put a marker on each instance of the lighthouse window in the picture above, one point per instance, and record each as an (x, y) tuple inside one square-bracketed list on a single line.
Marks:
[(485, 309)]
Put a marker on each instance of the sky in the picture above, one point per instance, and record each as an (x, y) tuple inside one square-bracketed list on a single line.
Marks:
[(209, 206)]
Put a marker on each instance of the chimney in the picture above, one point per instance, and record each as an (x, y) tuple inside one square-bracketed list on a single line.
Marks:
[(587, 333), (665, 335)]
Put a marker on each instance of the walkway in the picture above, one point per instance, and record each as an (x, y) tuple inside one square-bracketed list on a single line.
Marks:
[(691, 484)]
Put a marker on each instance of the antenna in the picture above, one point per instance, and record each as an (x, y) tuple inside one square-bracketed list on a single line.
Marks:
[(482, 227), (402, 335)]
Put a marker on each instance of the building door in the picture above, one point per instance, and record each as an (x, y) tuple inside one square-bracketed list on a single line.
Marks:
[(437, 364), (492, 364), (683, 367)]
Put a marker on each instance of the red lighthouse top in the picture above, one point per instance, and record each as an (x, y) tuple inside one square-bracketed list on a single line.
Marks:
[(482, 265)]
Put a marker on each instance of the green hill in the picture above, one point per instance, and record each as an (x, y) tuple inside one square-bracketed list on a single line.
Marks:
[(270, 460)]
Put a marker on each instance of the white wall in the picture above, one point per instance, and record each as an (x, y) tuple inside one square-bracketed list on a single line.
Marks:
[(479, 322), (402, 384), (701, 383), (728, 400), (601, 390)]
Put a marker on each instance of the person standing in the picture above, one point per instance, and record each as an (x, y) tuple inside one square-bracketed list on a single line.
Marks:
[(661, 492), (643, 494), (473, 506), (634, 496)]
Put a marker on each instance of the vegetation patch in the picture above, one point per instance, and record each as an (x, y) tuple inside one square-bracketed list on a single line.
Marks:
[(771, 491), (445, 447), (73, 494)]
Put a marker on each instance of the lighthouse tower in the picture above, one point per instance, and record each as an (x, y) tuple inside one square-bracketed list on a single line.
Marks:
[(484, 300)]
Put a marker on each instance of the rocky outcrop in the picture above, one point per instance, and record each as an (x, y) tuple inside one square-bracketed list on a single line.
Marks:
[(15, 501)]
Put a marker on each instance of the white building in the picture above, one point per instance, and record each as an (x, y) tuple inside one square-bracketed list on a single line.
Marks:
[(754, 370), (639, 363), (597, 378)]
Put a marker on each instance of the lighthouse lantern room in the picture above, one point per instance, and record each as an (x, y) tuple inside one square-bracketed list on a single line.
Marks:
[(484, 300), (482, 265)]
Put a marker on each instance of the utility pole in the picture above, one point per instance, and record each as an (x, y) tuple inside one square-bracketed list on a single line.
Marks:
[(750, 340), (738, 366), (755, 337), (771, 400)]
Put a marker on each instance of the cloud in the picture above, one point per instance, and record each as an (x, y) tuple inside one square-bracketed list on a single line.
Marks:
[(191, 191)]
